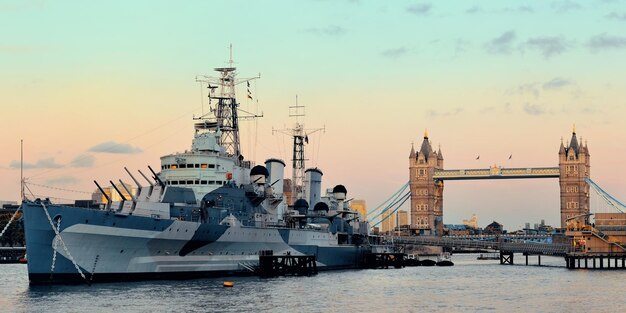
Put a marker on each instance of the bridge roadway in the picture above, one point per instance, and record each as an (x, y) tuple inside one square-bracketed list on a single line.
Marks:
[(497, 172), (519, 246)]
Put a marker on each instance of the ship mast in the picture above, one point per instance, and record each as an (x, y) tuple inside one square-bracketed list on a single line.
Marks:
[(300, 137), (226, 117)]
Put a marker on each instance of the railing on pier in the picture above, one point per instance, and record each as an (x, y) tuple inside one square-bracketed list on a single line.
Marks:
[(513, 247)]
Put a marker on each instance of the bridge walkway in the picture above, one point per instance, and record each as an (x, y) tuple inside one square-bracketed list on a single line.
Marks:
[(555, 249)]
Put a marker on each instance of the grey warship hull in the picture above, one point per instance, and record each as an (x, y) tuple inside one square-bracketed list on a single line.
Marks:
[(106, 246)]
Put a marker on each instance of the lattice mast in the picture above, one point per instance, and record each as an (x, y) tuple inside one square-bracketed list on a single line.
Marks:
[(300, 136), (224, 117)]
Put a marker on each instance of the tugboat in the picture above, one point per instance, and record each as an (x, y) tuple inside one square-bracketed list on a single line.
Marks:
[(208, 212), (444, 259)]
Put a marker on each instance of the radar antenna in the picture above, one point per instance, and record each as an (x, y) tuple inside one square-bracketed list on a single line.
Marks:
[(300, 137), (224, 117)]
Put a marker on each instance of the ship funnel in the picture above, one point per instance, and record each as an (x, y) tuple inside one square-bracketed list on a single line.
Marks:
[(259, 174), (313, 185)]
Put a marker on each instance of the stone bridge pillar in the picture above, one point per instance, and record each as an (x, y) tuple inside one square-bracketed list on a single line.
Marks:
[(574, 167)]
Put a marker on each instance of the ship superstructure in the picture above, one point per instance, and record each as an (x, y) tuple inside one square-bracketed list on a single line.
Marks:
[(208, 212), (215, 157)]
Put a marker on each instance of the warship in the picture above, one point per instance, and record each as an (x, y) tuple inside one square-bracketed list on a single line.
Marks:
[(205, 212)]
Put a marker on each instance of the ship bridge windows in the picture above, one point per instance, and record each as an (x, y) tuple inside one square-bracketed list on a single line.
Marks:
[(196, 182), (192, 165)]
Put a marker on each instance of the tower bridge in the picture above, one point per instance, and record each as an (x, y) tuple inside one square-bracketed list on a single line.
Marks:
[(427, 176), (496, 172)]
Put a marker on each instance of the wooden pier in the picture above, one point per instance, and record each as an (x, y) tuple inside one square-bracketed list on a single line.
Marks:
[(283, 265), (595, 261)]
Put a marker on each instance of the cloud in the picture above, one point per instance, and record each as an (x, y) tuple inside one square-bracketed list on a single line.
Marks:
[(530, 88), (549, 46), (606, 42), (520, 9), (534, 109), (114, 147), (332, 30), (394, 53), (617, 16), (473, 10), (565, 6), (534, 88), (43, 163), (501, 44), (433, 113), (557, 83), (420, 9), (83, 160), (63, 180)]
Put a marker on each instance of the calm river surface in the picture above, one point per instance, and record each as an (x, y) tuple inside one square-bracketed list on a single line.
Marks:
[(470, 286)]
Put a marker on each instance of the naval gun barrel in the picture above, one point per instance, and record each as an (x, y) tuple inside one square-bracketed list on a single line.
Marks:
[(118, 191), (103, 194), (156, 177)]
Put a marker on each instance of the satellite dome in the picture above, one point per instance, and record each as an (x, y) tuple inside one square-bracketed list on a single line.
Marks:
[(259, 170), (340, 189), (320, 206)]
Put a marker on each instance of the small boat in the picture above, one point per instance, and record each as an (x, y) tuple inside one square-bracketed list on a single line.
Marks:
[(491, 256), (412, 260), (428, 262), (444, 260)]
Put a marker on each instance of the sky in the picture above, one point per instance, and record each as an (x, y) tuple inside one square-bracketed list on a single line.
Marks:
[(93, 86)]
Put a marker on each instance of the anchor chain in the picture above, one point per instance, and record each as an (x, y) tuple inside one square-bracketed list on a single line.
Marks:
[(63, 245), (10, 221), (55, 244)]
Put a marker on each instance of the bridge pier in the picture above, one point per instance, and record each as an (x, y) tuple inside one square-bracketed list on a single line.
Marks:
[(572, 261), (506, 257), (538, 258)]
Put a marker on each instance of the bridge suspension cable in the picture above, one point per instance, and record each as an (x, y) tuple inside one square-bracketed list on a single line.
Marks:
[(395, 194), (397, 207), (396, 199), (606, 196)]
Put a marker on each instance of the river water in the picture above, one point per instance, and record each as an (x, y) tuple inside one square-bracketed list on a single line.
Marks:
[(470, 286)]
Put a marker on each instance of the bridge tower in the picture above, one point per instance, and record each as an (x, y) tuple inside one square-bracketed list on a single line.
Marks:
[(574, 167), (426, 193)]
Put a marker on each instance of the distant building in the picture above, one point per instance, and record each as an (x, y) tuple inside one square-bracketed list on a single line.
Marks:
[(389, 222), (400, 218), (403, 218), (359, 206), (494, 228), (7, 203), (287, 191), (472, 222), (458, 230), (98, 197)]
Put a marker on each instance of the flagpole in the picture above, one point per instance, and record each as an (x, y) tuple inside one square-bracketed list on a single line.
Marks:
[(21, 170)]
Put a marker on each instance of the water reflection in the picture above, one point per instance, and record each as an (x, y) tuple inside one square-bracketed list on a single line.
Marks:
[(471, 285)]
